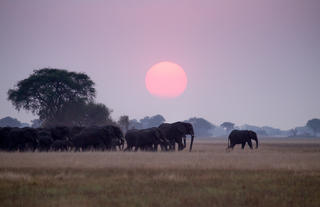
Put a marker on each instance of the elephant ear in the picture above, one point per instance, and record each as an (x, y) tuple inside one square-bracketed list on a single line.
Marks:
[(181, 128)]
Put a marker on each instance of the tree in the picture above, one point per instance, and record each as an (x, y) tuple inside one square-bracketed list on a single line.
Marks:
[(47, 91), (9, 122), (202, 127), (293, 132), (153, 121), (314, 124), (36, 123), (97, 114), (124, 123), (81, 114), (228, 126)]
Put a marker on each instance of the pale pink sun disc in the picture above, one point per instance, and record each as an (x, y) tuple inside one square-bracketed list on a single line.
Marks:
[(166, 80)]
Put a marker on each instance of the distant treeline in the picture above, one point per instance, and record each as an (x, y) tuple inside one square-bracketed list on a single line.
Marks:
[(202, 127)]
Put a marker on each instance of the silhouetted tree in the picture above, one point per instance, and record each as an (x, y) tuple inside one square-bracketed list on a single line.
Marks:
[(134, 124), (97, 114), (47, 91), (314, 124), (82, 114), (228, 126), (36, 123), (124, 123), (153, 121), (202, 127)]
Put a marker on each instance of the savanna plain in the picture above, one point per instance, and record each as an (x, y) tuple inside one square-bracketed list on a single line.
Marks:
[(281, 172)]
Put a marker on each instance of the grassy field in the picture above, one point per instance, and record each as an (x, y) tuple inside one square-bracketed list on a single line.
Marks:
[(282, 172)]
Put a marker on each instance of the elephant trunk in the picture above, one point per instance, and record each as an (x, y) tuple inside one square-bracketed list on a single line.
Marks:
[(192, 137), (257, 143)]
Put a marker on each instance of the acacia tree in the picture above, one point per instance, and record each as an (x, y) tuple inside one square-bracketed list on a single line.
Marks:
[(47, 91), (228, 126)]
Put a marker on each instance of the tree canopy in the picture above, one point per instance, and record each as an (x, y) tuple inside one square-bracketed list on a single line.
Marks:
[(314, 124), (202, 127), (227, 125), (81, 113), (123, 122), (48, 91)]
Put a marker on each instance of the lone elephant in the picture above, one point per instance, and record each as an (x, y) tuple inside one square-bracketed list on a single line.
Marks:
[(242, 137)]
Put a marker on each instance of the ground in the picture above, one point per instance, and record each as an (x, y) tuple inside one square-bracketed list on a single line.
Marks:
[(282, 172)]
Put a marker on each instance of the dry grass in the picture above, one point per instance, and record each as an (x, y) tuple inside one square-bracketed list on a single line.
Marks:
[(283, 154), (283, 172)]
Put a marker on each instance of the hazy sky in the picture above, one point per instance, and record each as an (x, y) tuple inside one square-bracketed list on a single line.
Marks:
[(248, 61)]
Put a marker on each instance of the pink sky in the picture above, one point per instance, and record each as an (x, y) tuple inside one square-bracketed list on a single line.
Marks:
[(249, 61)]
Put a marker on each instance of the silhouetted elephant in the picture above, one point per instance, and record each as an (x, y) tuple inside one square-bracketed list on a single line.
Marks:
[(4, 138), (98, 138), (89, 138), (75, 131), (116, 136), (145, 139), (44, 139), (60, 133), (242, 137), (23, 139), (61, 145), (176, 132)]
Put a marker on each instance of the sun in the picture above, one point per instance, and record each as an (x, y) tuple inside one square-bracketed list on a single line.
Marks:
[(166, 80)]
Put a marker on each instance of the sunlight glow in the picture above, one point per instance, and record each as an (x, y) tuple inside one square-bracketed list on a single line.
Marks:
[(166, 80)]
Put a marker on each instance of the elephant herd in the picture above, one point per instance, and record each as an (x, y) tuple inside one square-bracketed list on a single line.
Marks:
[(166, 136), (61, 138), (100, 138), (109, 137)]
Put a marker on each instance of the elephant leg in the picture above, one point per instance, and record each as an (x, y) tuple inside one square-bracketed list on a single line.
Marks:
[(180, 146), (250, 144), (232, 145), (129, 148), (243, 144), (172, 145), (155, 147)]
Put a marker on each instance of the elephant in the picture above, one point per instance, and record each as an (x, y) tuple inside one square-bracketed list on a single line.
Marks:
[(131, 139), (99, 138), (4, 138), (242, 137), (44, 139), (75, 130), (145, 139), (116, 135), (61, 145), (45, 144), (60, 133), (23, 139), (89, 138), (176, 133)]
